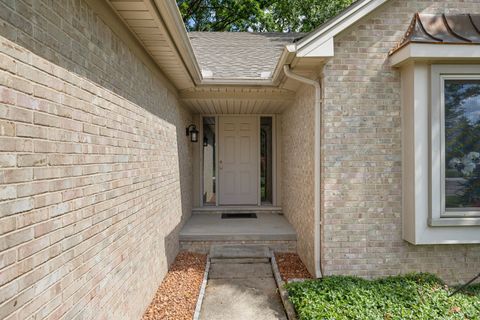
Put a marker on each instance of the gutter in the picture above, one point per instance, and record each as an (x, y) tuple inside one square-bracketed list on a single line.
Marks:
[(317, 125), (286, 58)]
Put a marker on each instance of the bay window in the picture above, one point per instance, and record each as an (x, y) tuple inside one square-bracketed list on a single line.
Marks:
[(441, 153), (439, 63)]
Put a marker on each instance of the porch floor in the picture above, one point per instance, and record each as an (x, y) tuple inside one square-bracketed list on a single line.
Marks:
[(211, 227)]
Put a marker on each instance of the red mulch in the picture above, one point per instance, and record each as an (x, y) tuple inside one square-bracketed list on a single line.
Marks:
[(177, 296), (291, 267)]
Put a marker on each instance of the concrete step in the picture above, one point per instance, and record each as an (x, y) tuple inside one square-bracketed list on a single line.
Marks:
[(211, 227), (240, 270), (239, 260), (239, 251), (204, 247)]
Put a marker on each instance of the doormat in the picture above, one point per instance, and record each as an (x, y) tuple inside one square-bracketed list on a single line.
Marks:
[(239, 216)]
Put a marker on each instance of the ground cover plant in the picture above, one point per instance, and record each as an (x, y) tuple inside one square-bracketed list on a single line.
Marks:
[(412, 296)]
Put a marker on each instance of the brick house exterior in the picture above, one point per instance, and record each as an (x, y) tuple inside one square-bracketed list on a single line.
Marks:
[(97, 176), (92, 153), (363, 184)]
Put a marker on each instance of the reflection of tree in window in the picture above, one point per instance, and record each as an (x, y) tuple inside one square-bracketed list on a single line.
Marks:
[(462, 143)]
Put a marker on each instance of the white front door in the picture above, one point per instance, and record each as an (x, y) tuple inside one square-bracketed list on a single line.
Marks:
[(238, 160)]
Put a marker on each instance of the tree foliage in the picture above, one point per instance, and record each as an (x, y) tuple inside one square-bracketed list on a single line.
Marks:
[(258, 15)]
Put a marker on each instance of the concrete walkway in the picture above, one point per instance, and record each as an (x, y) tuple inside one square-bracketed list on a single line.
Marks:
[(241, 286)]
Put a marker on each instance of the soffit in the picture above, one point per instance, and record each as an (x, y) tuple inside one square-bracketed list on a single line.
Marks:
[(142, 18), (236, 100)]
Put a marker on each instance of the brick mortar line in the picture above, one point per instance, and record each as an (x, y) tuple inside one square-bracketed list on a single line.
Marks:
[(150, 184), (151, 138), (106, 265), (89, 175), (68, 59), (143, 114), (84, 262), (82, 187), (78, 221)]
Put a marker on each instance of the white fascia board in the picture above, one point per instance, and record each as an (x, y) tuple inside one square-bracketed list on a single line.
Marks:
[(323, 37), (323, 50), (435, 51), (170, 15), (288, 54)]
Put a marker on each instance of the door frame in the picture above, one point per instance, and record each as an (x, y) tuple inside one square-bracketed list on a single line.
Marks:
[(217, 182)]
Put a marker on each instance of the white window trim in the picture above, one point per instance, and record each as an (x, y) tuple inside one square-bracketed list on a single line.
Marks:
[(418, 227), (439, 216)]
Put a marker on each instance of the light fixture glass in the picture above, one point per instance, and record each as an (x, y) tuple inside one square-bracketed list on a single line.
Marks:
[(192, 132), (194, 136)]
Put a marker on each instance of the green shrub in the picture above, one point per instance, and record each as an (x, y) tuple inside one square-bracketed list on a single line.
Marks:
[(412, 296)]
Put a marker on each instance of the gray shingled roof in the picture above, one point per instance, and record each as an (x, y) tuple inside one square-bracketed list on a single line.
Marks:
[(235, 55)]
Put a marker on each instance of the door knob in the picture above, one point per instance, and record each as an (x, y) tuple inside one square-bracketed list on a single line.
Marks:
[(220, 164)]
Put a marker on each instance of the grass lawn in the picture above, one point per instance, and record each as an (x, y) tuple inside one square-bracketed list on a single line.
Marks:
[(412, 296)]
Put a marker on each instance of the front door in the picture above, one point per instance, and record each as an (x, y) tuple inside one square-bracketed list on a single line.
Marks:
[(238, 160)]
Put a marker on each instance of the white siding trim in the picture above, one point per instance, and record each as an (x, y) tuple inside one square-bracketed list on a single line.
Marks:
[(437, 51)]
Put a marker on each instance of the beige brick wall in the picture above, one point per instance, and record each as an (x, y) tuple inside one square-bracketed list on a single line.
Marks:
[(362, 154), (95, 168), (297, 171)]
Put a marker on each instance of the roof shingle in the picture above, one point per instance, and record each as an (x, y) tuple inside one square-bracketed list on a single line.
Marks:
[(239, 55)]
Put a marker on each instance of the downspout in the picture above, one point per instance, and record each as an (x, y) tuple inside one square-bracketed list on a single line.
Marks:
[(317, 125)]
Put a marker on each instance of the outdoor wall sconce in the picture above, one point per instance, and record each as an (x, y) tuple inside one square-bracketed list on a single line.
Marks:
[(192, 132)]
